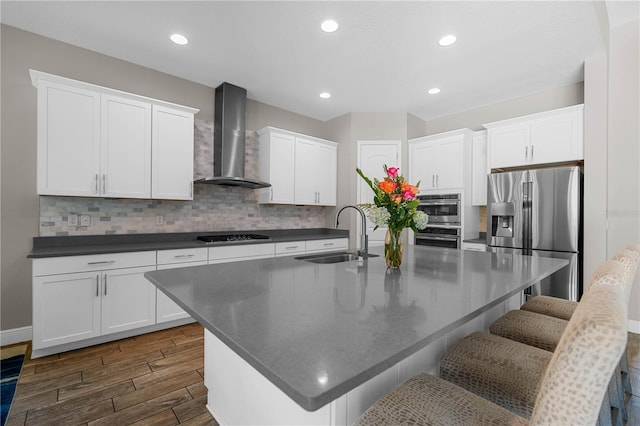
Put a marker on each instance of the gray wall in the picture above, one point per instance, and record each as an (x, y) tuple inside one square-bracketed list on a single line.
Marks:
[(20, 207), (475, 119)]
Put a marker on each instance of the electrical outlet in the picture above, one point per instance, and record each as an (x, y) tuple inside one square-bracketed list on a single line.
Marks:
[(159, 220), (85, 220), (72, 220)]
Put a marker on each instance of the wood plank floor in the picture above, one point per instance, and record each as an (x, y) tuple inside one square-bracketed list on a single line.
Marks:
[(153, 379)]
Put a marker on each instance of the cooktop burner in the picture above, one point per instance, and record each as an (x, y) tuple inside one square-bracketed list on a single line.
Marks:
[(231, 237)]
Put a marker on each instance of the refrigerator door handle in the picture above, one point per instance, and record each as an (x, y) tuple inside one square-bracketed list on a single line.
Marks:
[(526, 217)]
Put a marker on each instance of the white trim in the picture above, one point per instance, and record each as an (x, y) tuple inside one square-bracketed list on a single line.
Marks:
[(16, 335), (634, 326)]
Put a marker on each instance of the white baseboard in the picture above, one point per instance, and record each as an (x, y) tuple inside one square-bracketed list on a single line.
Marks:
[(15, 335), (634, 326)]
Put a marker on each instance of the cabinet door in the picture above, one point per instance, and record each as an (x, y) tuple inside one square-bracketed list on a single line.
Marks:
[(172, 158), (509, 145), (556, 139), (125, 160), (422, 156), (280, 167), (167, 309), (66, 308), (327, 160), (449, 167), (305, 176), (128, 300), (68, 140)]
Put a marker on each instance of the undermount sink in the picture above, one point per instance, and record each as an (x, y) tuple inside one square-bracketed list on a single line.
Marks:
[(333, 257)]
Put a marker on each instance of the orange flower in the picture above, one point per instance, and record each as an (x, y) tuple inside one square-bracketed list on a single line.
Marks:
[(387, 186), (396, 198)]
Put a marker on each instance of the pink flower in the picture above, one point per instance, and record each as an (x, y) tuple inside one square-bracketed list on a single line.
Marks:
[(393, 172), (408, 195)]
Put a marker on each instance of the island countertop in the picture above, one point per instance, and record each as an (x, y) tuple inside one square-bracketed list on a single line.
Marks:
[(317, 331)]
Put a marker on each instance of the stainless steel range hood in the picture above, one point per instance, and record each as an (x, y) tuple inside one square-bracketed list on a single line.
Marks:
[(228, 139)]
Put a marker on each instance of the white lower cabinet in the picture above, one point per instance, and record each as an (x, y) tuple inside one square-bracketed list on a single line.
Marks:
[(81, 297), (128, 300), (330, 244), (167, 309)]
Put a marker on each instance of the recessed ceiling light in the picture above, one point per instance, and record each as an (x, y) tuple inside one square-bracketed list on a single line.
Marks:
[(179, 39), (329, 26), (433, 91), (447, 40), (325, 95)]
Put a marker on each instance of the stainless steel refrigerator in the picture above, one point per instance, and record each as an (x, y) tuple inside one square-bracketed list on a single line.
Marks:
[(539, 213)]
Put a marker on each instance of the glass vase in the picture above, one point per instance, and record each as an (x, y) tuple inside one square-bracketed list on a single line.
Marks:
[(393, 248)]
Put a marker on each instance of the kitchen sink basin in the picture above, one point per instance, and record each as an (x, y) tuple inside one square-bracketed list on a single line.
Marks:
[(333, 257)]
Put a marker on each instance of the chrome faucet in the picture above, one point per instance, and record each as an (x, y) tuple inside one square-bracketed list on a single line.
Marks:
[(364, 238)]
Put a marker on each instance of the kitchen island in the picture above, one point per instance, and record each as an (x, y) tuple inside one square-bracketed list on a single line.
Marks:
[(288, 341)]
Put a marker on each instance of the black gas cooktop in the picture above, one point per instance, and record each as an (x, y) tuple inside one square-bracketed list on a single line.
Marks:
[(231, 237)]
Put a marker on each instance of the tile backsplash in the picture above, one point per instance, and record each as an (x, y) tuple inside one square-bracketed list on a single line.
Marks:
[(213, 208)]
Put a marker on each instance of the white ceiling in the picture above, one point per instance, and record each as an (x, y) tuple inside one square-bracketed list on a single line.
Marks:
[(383, 58)]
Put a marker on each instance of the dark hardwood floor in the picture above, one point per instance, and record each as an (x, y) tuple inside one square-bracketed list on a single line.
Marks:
[(154, 379)]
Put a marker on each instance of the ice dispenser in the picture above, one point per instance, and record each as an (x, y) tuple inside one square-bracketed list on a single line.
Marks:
[(502, 219)]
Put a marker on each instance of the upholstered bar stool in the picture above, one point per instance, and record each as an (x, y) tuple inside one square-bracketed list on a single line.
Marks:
[(508, 372), (563, 309), (544, 331), (570, 391)]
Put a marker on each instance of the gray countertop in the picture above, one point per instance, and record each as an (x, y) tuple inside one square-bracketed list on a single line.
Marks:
[(317, 331), (101, 244)]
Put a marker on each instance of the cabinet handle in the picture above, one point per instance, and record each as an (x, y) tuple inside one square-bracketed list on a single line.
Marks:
[(104, 262), (328, 244), (179, 256), (532, 152), (291, 247), (105, 284), (96, 183), (104, 184), (271, 197), (526, 152), (437, 178), (97, 285)]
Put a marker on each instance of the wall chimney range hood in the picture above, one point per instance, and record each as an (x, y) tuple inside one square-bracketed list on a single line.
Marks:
[(229, 138)]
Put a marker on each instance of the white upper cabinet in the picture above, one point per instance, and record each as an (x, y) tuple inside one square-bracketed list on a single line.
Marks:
[(479, 167), (277, 156), (301, 169), (172, 158), (125, 148), (316, 167), (98, 142), (68, 159), (548, 137), (438, 161)]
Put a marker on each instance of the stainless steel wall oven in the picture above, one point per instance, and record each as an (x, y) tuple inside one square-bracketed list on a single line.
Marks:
[(443, 209), (444, 227)]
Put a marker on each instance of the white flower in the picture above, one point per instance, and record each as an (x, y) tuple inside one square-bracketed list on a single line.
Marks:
[(379, 215), (421, 219)]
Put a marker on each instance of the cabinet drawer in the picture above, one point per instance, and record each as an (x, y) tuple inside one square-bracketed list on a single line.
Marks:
[(241, 251), (474, 246), (290, 247), (93, 262), (327, 245), (166, 257)]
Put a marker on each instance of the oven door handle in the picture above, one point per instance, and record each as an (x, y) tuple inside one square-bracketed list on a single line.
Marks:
[(437, 238), (439, 203)]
